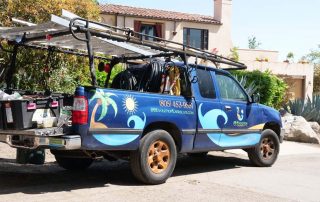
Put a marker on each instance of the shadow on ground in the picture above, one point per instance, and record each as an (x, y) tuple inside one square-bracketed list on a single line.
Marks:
[(33, 179)]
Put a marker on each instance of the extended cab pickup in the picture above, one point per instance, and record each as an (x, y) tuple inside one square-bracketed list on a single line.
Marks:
[(151, 112), (148, 120), (212, 113)]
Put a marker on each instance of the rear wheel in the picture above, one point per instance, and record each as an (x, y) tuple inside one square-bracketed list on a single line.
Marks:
[(266, 152), (73, 163), (154, 161)]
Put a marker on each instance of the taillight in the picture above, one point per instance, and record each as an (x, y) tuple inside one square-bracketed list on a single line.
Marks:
[(80, 110)]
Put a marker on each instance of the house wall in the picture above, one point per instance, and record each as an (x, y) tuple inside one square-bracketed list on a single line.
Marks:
[(300, 74), (223, 13), (219, 36), (295, 87), (253, 54), (299, 77)]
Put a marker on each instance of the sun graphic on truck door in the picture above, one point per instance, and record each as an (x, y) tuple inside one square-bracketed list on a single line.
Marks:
[(130, 104)]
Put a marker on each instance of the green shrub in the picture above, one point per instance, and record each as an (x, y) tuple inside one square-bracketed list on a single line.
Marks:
[(309, 108), (270, 87), (59, 73), (102, 76)]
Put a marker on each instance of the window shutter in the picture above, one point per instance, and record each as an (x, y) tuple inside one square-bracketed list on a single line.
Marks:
[(137, 26), (158, 27)]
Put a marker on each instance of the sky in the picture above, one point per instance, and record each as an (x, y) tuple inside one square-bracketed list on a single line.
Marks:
[(280, 25)]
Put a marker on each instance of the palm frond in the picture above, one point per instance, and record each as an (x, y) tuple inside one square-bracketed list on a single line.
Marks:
[(114, 105), (104, 109), (97, 95)]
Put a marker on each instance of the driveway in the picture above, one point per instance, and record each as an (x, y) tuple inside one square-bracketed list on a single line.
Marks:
[(222, 176)]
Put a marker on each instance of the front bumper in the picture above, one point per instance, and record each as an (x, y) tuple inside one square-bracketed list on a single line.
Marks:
[(66, 142), (281, 135)]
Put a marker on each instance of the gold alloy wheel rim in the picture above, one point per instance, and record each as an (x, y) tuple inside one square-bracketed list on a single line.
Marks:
[(267, 148), (158, 156)]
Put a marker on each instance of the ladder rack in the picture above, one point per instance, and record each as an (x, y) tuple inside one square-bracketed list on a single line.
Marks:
[(127, 35), (71, 34)]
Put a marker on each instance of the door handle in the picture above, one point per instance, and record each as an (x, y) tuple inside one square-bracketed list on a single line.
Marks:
[(228, 108)]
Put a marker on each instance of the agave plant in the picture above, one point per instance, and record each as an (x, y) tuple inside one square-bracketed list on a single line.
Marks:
[(316, 105), (250, 87), (307, 108)]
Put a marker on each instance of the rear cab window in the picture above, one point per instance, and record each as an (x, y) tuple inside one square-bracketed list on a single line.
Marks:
[(205, 84)]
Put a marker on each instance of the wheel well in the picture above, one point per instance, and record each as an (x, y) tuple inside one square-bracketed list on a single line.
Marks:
[(171, 128), (273, 126)]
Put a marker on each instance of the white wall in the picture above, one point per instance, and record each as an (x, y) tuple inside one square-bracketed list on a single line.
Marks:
[(287, 69), (219, 35), (253, 54)]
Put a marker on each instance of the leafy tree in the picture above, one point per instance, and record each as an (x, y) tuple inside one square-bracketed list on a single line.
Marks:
[(39, 11), (290, 57), (35, 70), (234, 54), (316, 83), (253, 43), (314, 58)]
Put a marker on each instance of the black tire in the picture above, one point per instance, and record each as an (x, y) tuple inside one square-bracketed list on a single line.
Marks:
[(198, 155), (265, 153), (73, 163), (159, 170)]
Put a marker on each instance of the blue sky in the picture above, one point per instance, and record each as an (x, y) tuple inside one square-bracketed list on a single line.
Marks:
[(282, 25)]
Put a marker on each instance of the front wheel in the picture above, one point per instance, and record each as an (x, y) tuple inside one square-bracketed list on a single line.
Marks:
[(266, 152), (155, 160)]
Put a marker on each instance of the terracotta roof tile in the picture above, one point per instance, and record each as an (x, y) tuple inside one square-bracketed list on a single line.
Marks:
[(155, 13)]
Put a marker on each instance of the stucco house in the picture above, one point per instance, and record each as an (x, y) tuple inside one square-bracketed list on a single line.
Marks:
[(212, 33)]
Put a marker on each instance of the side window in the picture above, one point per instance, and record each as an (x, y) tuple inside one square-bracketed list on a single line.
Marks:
[(205, 83), (229, 88)]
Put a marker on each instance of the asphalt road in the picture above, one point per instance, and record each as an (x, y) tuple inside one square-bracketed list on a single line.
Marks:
[(221, 176)]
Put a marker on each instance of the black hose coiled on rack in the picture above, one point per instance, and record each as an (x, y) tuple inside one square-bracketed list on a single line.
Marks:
[(124, 80), (146, 78), (156, 69)]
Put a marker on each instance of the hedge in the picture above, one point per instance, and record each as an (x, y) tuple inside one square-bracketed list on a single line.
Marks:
[(271, 88)]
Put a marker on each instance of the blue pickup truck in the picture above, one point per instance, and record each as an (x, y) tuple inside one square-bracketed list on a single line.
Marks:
[(153, 110), (212, 113)]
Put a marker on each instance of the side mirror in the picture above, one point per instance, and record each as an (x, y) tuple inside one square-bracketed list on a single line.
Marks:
[(255, 98)]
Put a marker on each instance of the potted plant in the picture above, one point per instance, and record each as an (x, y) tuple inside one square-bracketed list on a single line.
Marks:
[(290, 57)]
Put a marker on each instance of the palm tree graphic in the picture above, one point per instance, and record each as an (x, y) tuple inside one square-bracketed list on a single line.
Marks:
[(103, 101)]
